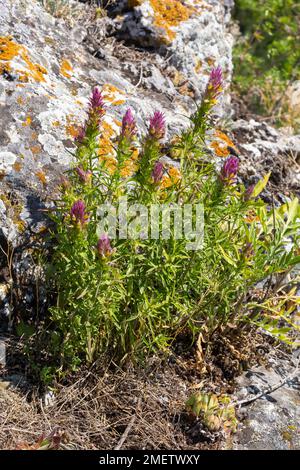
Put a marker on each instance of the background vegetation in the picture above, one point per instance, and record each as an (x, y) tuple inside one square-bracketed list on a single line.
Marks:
[(267, 56)]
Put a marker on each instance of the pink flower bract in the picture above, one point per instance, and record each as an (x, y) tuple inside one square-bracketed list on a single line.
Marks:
[(128, 125), (229, 170), (157, 172), (96, 100), (103, 246), (157, 125), (78, 212)]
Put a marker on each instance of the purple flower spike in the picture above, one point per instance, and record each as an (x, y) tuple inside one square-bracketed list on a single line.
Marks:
[(78, 212), (215, 84), (96, 100), (96, 111), (157, 126), (157, 172), (103, 246), (229, 170), (128, 125), (216, 78), (84, 176)]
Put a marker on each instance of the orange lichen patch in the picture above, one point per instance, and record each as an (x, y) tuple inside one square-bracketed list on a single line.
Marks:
[(49, 41), (15, 211), (210, 61), (182, 83), (20, 100), (17, 166), (172, 178), (72, 130), (42, 177), (128, 169), (107, 153), (108, 88), (35, 149), (74, 91), (34, 135), (225, 138), (198, 66), (66, 68), (4, 67), (27, 121), (117, 122), (222, 144), (118, 102), (113, 95), (9, 50), (71, 127), (168, 14)]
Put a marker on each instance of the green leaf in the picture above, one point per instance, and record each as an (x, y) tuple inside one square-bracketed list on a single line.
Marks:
[(227, 257), (260, 186)]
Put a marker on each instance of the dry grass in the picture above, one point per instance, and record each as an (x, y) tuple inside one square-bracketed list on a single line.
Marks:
[(95, 411), (138, 408)]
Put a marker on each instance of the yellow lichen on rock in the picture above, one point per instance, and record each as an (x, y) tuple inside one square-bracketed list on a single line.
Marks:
[(66, 68), (42, 177), (169, 14), (113, 95), (35, 149), (72, 128), (10, 50), (27, 121), (15, 211)]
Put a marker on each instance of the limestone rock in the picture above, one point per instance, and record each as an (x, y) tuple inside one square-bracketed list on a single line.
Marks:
[(272, 421), (192, 35), (264, 149)]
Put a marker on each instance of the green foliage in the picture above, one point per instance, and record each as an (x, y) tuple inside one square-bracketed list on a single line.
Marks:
[(133, 296), (267, 55)]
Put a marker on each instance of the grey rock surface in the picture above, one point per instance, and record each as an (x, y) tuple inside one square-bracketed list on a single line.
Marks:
[(192, 35), (264, 149), (272, 421)]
